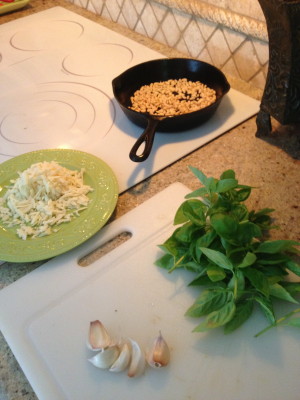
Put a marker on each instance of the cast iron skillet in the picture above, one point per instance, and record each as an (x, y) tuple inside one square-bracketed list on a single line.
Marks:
[(133, 78)]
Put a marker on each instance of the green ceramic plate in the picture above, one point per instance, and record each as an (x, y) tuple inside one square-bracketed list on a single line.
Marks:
[(103, 201), (8, 7)]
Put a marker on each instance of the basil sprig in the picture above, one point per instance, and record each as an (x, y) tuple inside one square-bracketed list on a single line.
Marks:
[(223, 243)]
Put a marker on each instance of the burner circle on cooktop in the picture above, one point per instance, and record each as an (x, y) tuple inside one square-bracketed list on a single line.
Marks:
[(93, 60), (47, 35), (54, 115)]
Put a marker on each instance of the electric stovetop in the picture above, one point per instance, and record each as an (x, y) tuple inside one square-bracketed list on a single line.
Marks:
[(56, 69)]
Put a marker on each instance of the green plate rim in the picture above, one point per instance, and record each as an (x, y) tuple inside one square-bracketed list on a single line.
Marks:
[(104, 199), (13, 6)]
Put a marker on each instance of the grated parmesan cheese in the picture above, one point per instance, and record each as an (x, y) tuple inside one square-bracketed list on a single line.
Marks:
[(42, 197)]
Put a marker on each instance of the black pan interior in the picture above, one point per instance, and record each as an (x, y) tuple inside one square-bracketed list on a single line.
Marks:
[(132, 79)]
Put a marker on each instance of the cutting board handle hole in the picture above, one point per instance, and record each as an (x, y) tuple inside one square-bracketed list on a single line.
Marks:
[(105, 248)]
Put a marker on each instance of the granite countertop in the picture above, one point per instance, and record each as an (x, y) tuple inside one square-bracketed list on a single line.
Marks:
[(271, 165)]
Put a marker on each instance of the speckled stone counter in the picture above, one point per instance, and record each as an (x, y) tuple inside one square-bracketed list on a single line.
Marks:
[(272, 166)]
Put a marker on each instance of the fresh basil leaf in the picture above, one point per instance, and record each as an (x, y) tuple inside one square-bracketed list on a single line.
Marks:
[(197, 193), (217, 318), (203, 241), (240, 212), (194, 210), (173, 246), (226, 245), (261, 215), (267, 308), (205, 281), (243, 194), (197, 253), (276, 246), (217, 246), (180, 216), (292, 287), (261, 218), (264, 211), (272, 270), (215, 273), (221, 205), (193, 266), (294, 267), (206, 239), (246, 232), (185, 232), (274, 279), (200, 175), (248, 260), (208, 301), (258, 280), (218, 258), (276, 290), (211, 184), (237, 283), (243, 311), (200, 274), (224, 185), (166, 262), (228, 174), (272, 259), (224, 225), (236, 254)]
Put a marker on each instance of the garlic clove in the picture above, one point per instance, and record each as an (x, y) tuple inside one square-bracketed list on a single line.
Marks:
[(105, 358), (98, 338), (123, 359), (159, 356), (138, 362)]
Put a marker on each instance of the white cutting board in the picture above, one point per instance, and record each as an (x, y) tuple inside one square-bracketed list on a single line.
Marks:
[(45, 318)]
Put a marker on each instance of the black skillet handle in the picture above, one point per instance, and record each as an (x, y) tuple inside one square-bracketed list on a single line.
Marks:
[(147, 139)]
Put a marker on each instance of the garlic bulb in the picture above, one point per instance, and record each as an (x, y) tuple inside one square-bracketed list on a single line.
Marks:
[(123, 359), (126, 354), (159, 356), (99, 338), (105, 358), (138, 362)]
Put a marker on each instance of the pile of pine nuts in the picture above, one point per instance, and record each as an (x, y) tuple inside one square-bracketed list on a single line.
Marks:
[(172, 97)]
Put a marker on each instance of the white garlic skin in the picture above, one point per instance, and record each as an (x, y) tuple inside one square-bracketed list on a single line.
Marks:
[(123, 360), (159, 355), (99, 338), (138, 361), (105, 358)]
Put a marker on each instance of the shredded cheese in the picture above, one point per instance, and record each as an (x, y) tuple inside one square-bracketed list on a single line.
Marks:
[(42, 197)]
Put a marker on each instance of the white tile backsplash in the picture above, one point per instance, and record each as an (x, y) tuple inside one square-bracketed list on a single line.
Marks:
[(129, 16), (218, 48), (221, 37)]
